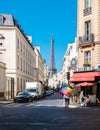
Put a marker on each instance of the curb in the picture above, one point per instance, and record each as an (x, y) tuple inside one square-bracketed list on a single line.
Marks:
[(5, 102)]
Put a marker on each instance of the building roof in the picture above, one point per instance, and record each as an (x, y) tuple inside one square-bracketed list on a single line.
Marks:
[(8, 19)]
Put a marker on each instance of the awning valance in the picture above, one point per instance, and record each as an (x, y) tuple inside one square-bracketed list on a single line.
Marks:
[(84, 84), (87, 76)]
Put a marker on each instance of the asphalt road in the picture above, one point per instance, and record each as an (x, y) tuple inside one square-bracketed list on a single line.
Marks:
[(48, 114)]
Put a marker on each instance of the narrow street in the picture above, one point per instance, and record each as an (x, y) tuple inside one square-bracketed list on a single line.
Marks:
[(48, 114)]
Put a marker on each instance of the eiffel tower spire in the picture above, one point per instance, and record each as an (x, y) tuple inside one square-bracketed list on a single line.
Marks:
[(52, 69)]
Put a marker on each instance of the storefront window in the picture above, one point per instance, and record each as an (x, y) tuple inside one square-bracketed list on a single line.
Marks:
[(87, 90)]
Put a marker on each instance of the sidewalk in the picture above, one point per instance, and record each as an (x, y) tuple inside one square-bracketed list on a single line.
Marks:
[(71, 105), (6, 102), (75, 105)]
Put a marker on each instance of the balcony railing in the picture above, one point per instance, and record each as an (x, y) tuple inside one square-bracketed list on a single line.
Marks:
[(86, 39), (86, 65), (83, 69), (87, 11)]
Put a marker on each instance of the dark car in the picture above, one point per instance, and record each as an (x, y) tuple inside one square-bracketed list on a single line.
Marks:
[(43, 95), (23, 97)]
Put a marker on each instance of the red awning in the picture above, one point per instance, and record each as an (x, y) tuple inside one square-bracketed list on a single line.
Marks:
[(84, 84), (87, 76)]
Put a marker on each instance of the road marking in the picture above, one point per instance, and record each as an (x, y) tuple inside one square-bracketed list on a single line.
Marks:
[(24, 123)]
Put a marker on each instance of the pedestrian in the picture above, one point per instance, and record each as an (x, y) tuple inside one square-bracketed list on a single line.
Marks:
[(81, 97), (44, 94), (67, 100), (86, 101)]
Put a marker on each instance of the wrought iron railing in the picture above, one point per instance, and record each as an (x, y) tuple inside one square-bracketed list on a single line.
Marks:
[(86, 39), (83, 69), (87, 11)]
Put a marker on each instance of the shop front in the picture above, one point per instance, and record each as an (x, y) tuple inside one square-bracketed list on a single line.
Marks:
[(89, 82)]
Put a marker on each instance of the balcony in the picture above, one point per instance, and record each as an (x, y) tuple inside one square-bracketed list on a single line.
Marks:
[(86, 65), (86, 40), (84, 69), (87, 11)]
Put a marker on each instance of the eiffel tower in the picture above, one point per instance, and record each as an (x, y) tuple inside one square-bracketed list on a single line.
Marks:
[(52, 69)]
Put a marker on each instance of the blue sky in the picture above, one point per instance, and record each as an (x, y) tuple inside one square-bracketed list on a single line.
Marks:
[(41, 18)]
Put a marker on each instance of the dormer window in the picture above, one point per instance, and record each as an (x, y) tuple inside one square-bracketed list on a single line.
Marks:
[(1, 20)]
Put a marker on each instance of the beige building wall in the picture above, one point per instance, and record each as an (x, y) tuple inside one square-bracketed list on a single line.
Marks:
[(93, 46), (23, 64), (19, 57), (40, 66), (2, 80)]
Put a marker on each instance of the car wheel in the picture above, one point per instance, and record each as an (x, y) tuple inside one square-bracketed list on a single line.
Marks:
[(27, 100), (15, 100), (32, 100)]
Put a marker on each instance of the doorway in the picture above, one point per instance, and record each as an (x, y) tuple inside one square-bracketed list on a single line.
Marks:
[(98, 91)]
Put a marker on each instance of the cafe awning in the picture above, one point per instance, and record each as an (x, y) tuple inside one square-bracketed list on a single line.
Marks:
[(84, 84), (86, 76)]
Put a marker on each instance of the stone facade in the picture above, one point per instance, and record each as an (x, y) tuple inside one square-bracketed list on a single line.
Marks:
[(19, 55), (88, 32)]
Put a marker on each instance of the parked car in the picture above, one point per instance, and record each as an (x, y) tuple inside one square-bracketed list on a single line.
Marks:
[(23, 97), (43, 95), (49, 92)]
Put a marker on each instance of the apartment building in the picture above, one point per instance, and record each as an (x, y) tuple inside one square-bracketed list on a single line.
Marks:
[(18, 54), (41, 67), (69, 62), (2, 80), (88, 35)]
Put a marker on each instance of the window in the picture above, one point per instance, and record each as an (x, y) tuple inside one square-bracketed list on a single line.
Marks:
[(87, 30), (21, 46), (23, 49), (21, 64), (1, 40), (87, 7), (24, 66), (17, 43), (1, 20), (18, 84), (17, 62), (21, 84), (87, 27), (87, 58), (87, 4), (1, 56)]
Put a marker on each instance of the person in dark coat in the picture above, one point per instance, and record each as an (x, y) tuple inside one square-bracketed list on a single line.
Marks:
[(67, 100)]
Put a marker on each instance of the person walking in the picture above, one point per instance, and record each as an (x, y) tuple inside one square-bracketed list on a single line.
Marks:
[(86, 101), (81, 97), (67, 100)]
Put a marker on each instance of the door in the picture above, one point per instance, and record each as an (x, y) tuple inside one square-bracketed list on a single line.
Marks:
[(12, 88)]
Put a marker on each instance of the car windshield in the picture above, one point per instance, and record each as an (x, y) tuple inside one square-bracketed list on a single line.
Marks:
[(22, 93), (31, 90)]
